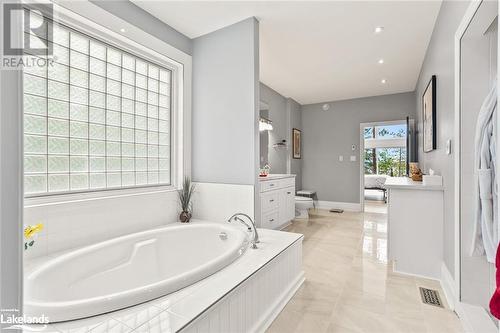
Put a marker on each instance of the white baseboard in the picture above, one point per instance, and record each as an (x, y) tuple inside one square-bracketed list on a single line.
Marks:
[(448, 285), (474, 318), (349, 206), (285, 225), (396, 270)]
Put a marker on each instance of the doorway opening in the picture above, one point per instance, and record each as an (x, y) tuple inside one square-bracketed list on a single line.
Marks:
[(384, 153)]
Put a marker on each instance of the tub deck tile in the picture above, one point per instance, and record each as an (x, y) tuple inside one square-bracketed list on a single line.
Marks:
[(111, 326), (84, 325), (164, 322), (137, 315)]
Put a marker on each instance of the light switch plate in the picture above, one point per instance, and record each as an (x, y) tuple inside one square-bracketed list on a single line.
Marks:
[(353, 158), (341, 158)]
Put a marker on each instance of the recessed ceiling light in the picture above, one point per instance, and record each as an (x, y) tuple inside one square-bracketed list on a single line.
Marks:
[(381, 61), (383, 81), (379, 29), (123, 30), (326, 107)]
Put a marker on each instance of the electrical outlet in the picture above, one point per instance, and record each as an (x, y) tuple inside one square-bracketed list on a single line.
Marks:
[(353, 158), (341, 158)]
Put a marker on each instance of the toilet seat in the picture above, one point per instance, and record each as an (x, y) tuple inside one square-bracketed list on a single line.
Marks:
[(302, 205)]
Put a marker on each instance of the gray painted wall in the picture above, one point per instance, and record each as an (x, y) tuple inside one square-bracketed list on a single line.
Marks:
[(439, 61), (285, 114), (129, 12), (277, 158), (294, 115), (328, 134), (225, 105)]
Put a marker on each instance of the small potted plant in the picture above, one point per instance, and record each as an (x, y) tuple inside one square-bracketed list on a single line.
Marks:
[(185, 194)]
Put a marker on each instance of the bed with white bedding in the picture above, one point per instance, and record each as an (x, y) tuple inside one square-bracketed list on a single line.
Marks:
[(376, 182)]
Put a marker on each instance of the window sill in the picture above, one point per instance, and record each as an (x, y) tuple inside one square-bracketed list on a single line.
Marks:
[(57, 199)]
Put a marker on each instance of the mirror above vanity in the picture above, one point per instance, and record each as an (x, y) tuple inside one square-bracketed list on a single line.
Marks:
[(265, 125)]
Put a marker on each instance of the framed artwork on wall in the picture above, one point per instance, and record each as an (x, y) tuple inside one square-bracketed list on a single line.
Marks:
[(296, 143), (429, 115)]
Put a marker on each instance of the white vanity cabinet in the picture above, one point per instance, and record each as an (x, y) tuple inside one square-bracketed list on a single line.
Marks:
[(277, 201), (415, 227)]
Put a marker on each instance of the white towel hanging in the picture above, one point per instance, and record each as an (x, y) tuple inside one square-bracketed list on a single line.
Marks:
[(485, 239)]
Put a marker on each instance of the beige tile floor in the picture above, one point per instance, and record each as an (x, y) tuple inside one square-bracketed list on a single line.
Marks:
[(350, 286)]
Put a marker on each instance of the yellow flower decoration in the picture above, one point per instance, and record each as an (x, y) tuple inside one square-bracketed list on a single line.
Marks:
[(30, 230)]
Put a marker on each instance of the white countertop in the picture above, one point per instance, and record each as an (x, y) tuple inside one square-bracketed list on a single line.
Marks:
[(406, 183), (273, 176)]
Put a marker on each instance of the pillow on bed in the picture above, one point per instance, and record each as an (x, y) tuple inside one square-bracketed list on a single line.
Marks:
[(375, 181)]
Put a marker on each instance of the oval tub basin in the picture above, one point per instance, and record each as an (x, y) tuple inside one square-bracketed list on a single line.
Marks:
[(129, 270)]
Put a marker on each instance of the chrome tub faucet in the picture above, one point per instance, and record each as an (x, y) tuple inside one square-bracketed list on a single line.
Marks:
[(250, 227)]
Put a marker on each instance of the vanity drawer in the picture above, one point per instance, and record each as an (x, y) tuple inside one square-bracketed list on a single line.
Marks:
[(270, 220), (269, 185), (287, 182), (269, 201)]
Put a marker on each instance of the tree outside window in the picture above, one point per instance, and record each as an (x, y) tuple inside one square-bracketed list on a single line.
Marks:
[(389, 161)]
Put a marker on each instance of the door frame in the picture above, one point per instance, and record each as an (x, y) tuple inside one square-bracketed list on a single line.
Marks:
[(362, 155), (470, 316), (11, 189)]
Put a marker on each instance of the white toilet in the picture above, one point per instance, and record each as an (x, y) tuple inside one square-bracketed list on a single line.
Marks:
[(302, 204)]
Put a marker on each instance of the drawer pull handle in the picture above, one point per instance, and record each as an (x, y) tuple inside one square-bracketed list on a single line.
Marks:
[(271, 185), (288, 192), (272, 200), (271, 220)]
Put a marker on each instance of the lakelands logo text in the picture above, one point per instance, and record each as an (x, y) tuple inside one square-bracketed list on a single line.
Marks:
[(10, 320), (27, 31)]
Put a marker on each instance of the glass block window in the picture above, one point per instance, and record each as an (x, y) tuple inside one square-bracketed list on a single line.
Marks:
[(99, 118)]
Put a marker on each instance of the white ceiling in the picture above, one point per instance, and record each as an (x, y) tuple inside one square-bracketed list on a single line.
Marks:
[(321, 51)]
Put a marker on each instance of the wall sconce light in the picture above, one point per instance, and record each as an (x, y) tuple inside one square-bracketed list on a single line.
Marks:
[(265, 124)]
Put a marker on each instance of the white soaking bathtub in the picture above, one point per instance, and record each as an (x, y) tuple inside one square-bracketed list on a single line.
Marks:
[(130, 269)]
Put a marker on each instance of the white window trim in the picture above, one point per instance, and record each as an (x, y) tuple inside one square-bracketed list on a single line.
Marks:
[(82, 16), (385, 143)]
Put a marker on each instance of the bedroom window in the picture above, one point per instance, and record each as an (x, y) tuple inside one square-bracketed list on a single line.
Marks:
[(98, 118), (385, 161), (385, 150)]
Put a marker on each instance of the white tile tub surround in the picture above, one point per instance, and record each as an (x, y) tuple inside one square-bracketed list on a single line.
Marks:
[(217, 202), (82, 220), (245, 296), (79, 222)]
